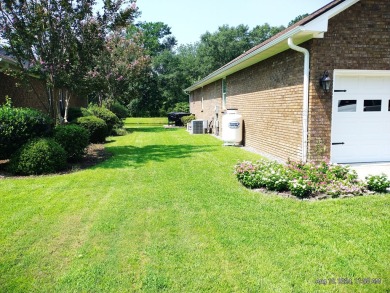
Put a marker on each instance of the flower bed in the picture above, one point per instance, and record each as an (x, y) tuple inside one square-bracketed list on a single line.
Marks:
[(307, 180)]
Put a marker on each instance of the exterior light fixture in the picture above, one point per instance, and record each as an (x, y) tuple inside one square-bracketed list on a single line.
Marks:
[(325, 81)]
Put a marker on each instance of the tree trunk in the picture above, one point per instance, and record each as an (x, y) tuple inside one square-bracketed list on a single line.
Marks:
[(67, 101)]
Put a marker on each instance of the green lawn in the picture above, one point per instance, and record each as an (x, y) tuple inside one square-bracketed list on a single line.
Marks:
[(166, 213)]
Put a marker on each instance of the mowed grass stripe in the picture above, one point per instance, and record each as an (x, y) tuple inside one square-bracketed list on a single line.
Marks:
[(166, 213)]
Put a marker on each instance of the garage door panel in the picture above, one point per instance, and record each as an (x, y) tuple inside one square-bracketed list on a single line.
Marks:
[(361, 118)]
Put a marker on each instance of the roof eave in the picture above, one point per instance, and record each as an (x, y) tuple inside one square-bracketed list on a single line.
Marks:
[(235, 66), (315, 28)]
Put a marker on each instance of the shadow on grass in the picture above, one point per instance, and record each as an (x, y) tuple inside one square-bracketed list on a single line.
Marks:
[(131, 156)]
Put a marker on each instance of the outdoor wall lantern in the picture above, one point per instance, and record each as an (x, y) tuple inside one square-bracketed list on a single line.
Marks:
[(325, 81)]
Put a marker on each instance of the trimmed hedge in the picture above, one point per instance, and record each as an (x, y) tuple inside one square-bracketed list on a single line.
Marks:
[(96, 127), (109, 117), (187, 119), (18, 125), (74, 113), (38, 156), (119, 110), (74, 139)]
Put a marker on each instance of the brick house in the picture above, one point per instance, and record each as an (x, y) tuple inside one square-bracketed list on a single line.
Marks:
[(32, 95), (276, 87)]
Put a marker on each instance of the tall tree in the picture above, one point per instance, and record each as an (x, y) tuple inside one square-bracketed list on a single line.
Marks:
[(218, 48), (58, 38), (156, 37), (296, 19), (263, 32), (160, 89), (118, 69)]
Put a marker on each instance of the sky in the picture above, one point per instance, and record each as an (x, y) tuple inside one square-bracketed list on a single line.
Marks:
[(189, 19)]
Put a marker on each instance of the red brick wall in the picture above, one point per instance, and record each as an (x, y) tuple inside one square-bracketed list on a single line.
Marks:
[(269, 97), (33, 95), (269, 94), (357, 38), (212, 97)]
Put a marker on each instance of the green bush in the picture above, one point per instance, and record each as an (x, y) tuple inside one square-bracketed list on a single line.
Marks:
[(301, 188), (38, 156), (180, 107), (276, 179), (74, 113), (187, 119), (247, 173), (109, 117), (119, 110), (85, 112), (96, 127), (119, 131), (74, 139), (377, 183), (18, 125)]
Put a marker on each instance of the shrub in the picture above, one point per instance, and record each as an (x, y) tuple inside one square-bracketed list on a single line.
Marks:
[(337, 188), (340, 172), (96, 127), (180, 107), (74, 139), (109, 117), (301, 188), (119, 131), (85, 112), (245, 173), (276, 179), (38, 156), (119, 110), (187, 119), (74, 113), (18, 125), (377, 183)]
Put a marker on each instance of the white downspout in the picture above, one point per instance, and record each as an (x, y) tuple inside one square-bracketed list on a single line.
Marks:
[(305, 110)]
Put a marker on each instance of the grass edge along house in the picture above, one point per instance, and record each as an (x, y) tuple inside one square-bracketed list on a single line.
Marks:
[(319, 89)]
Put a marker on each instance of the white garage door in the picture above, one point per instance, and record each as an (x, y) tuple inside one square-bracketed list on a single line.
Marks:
[(360, 116)]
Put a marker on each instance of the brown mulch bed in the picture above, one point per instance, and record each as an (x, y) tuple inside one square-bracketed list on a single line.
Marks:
[(95, 154)]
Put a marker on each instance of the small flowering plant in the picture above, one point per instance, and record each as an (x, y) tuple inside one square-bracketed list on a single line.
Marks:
[(378, 183), (337, 188), (301, 187), (245, 172)]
